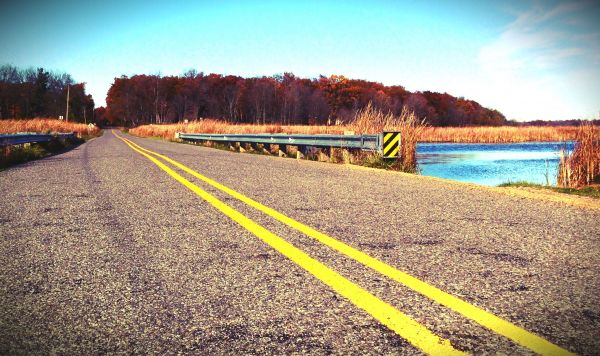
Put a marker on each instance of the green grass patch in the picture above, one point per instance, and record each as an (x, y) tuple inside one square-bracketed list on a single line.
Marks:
[(592, 191), (377, 161)]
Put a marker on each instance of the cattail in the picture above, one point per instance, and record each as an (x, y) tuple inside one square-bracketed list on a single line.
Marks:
[(581, 167)]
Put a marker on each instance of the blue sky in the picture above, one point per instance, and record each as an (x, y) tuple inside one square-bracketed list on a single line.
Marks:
[(530, 60)]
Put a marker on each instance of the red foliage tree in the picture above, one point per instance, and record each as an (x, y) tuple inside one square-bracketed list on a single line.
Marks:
[(282, 98)]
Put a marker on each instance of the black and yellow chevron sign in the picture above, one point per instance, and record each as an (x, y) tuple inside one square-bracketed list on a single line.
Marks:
[(391, 144)]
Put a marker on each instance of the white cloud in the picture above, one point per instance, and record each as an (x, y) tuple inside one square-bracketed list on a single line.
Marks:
[(529, 70)]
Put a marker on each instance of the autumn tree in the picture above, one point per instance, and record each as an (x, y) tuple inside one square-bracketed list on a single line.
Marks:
[(27, 93), (283, 98)]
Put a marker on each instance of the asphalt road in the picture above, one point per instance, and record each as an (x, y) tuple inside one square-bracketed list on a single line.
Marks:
[(103, 251)]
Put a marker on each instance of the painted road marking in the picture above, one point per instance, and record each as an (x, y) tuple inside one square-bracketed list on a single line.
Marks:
[(500, 326), (403, 325)]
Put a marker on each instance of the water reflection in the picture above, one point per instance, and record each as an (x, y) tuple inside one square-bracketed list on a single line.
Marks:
[(492, 164)]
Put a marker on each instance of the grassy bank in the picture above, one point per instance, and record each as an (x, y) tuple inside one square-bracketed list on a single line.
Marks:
[(496, 134), (12, 155), (590, 191)]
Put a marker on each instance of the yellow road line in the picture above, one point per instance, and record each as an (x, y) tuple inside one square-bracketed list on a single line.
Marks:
[(503, 327), (403, 325)]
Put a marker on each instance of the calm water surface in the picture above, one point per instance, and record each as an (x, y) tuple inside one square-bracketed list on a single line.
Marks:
[(491, 164)]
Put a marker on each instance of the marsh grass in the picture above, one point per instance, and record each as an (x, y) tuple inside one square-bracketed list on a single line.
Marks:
[(581, 167), (479, 134), (372, 121), (500, 134)]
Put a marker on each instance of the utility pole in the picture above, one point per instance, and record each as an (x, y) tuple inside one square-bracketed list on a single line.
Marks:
[(67, 115)]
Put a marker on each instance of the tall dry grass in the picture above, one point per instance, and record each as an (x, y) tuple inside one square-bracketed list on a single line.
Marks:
[(581, 167), (46, 125), (370, 120), (411, 130), (499, 134), (217, 126), (480, 134)]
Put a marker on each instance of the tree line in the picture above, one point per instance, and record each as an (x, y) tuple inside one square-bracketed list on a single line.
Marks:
[(573, 122), (285, 99), (36, 92)]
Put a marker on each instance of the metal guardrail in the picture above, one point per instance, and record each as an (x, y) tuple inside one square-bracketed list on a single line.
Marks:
[(26, 137), (362, 142)]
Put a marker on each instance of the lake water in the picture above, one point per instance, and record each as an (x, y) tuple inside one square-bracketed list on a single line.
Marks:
[(491, 164)]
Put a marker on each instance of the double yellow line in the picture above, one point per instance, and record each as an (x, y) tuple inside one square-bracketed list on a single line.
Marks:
[(409, 329)]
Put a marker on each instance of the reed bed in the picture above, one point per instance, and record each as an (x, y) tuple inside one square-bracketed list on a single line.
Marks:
[(499, 134), (481, 134), (581, 167), (47, 125)]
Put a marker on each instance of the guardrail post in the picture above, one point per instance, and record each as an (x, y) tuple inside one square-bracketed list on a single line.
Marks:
[(261, 148), (273, 148), (322, 156), (281, 151), (346, 156)]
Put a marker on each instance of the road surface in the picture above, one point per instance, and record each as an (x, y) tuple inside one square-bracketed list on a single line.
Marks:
[(112, 249)]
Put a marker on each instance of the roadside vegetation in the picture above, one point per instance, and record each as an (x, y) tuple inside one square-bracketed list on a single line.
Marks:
[(48, 125), (372, 120), (479, 134), (16, 154), (167, 131), (12, 155)]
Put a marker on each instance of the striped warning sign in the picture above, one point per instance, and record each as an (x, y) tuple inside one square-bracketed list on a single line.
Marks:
[(391, 144)]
